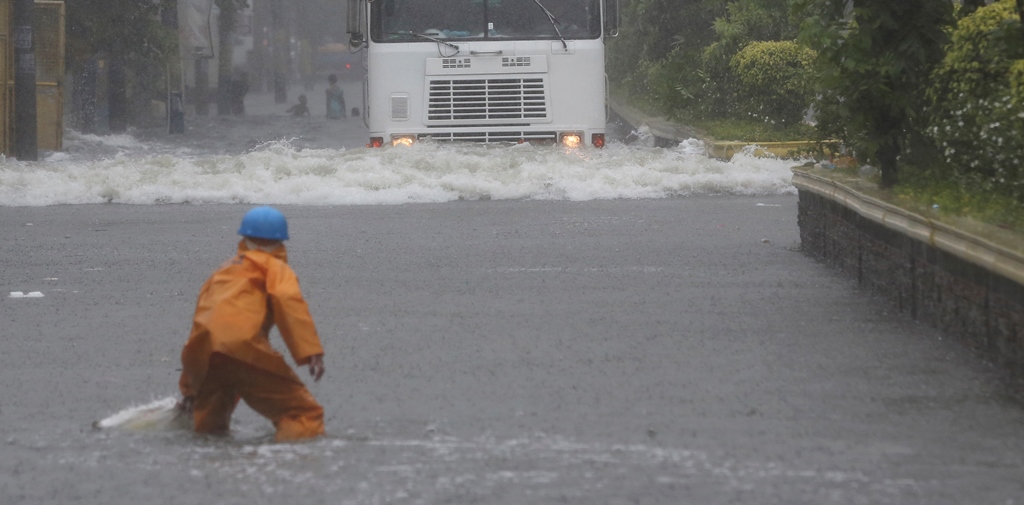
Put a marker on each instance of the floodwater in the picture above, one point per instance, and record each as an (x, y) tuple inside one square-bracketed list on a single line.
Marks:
[(506, 325), (229, 160)]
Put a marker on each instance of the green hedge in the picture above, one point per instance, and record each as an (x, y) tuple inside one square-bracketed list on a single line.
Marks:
[(978, 101), (774, 81)]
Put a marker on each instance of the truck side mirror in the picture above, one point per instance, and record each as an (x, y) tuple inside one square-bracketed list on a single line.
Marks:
[(611, 18), (356, 22)]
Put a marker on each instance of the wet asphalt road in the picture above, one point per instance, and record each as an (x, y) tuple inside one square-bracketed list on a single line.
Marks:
[(658, 351)]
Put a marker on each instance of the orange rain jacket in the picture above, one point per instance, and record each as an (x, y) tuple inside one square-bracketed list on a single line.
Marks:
[(237, 306)]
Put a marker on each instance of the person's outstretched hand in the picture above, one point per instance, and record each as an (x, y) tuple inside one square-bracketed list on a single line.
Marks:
[(316, 367)]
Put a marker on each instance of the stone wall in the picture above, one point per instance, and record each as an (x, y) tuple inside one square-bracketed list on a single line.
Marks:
[(943, 288)]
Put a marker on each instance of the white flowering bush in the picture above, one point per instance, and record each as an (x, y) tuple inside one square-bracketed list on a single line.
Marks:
[(978, 101)]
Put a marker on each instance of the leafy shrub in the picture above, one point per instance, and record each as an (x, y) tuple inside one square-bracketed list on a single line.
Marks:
[(673, 56), (978, 101), (744, 22), (774, 80)]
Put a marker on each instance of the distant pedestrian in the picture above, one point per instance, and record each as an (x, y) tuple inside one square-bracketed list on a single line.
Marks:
[(300, 109), (335, 99), (228, 356)]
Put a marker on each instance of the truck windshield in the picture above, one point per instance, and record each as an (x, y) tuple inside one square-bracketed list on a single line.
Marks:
[(407, 20)]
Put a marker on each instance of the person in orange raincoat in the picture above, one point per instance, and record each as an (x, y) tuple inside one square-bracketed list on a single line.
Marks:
[(228, 356)]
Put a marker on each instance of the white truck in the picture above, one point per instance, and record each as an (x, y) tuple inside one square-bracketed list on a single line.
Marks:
[(484, 70)]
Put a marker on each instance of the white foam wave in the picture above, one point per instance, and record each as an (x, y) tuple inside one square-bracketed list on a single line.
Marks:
[(277, 173), (120, 140)]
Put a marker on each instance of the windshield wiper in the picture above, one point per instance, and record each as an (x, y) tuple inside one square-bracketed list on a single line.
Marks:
[(554, 23), (428, 37)]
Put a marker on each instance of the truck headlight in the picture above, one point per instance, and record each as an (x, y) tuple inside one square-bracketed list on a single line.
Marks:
[(572, 140), (403, 140)]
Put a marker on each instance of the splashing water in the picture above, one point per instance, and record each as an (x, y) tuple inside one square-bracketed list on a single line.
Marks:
[(277, 172)]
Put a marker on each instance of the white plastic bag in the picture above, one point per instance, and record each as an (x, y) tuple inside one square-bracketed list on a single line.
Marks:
[(158, 415)]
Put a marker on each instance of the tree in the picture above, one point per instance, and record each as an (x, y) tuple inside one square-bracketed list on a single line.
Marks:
[(131, 35), (875, 60), (749, 21), (652, 30), (226, 80), (1020, 15), (657, 26)]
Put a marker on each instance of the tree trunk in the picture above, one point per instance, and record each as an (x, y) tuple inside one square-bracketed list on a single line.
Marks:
[(26, 144), (225, 77), (281, 52), (202, 90), (85, 98), (117, 95), (1020, 13), (887, 154)]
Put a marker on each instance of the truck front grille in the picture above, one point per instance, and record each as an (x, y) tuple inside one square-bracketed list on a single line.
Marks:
[(487, 99), (492, 136)]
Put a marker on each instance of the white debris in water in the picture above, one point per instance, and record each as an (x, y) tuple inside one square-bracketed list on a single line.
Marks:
[(158, 415), (30, 294)]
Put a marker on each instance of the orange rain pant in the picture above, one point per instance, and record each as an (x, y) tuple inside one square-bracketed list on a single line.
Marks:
[(283, 400)]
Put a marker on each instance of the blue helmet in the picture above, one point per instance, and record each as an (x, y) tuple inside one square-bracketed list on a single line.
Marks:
[(264, 222)]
